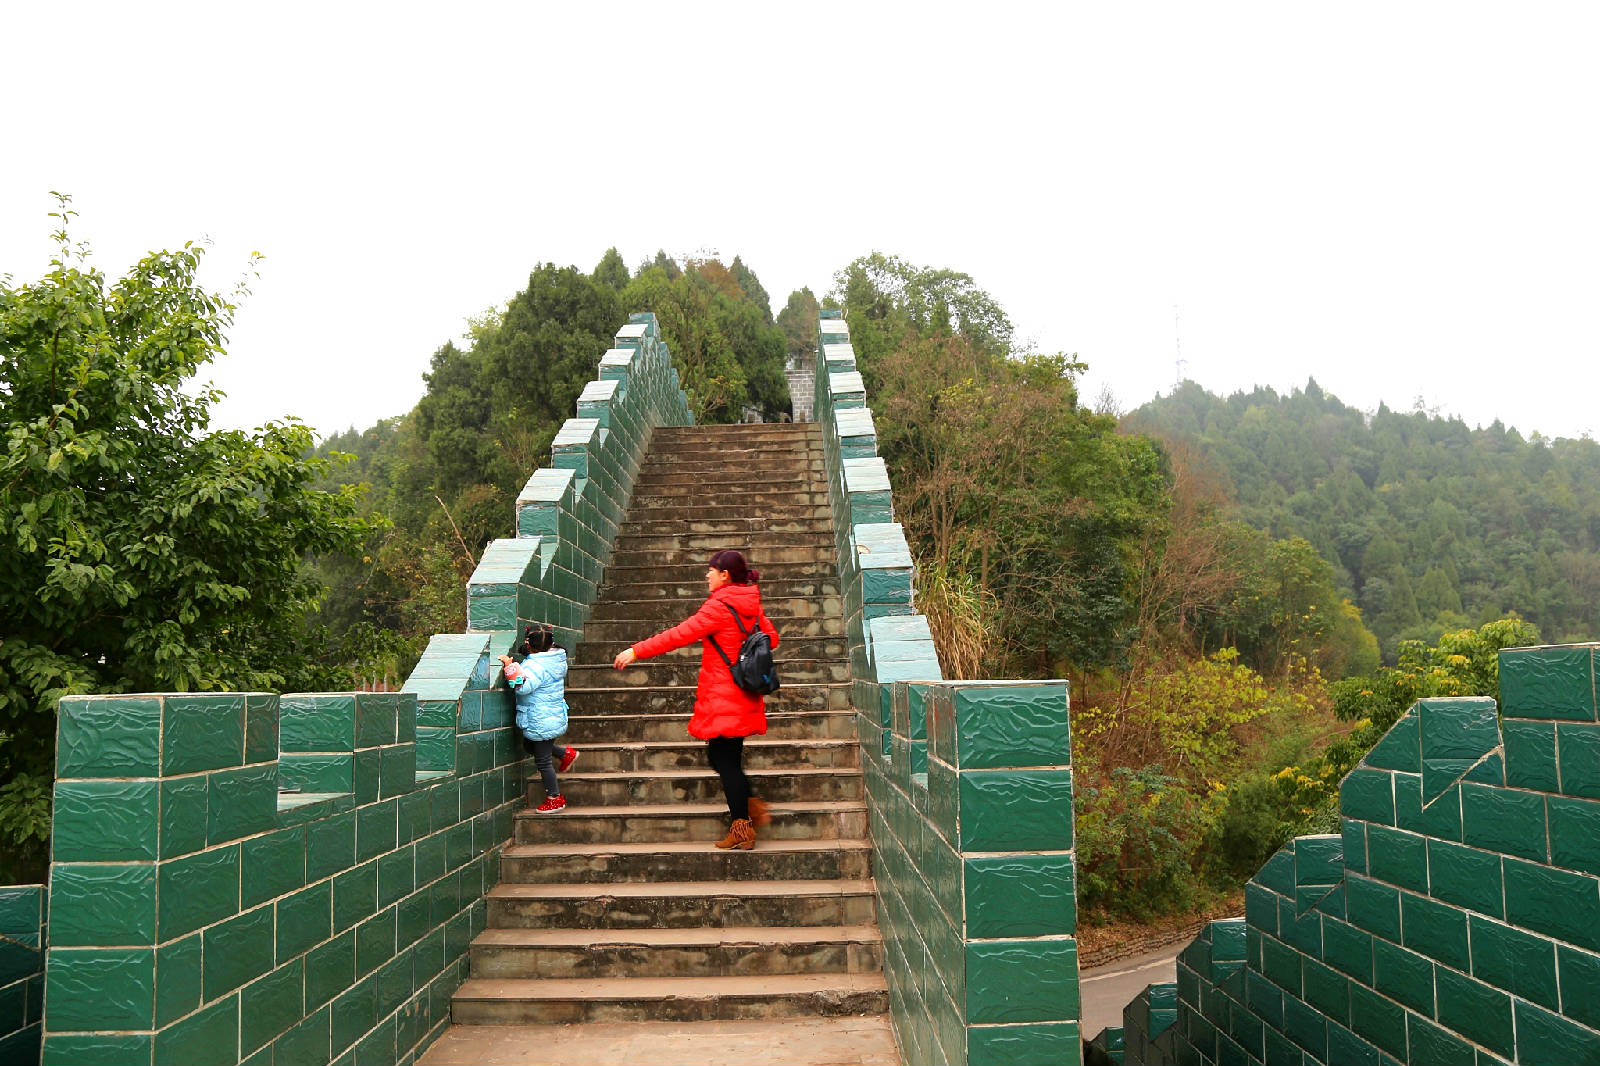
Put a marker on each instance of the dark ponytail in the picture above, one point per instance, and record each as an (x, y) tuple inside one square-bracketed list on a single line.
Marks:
[(737, 569), (536, 639)]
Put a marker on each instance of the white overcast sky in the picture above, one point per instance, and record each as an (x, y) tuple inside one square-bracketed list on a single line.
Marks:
[(1402, 200)]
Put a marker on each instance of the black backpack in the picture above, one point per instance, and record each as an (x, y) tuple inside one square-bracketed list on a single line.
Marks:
[(755, 672)]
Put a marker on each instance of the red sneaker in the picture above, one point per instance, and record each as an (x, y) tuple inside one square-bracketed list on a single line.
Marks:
[(567, 760), (552, 804)]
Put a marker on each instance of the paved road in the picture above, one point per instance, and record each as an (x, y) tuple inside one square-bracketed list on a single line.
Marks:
[(1106, 989)]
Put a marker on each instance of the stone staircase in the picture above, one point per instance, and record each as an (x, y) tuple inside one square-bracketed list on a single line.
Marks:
[(619, 908)]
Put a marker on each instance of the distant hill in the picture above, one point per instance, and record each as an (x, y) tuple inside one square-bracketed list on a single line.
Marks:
[(1430, 525)]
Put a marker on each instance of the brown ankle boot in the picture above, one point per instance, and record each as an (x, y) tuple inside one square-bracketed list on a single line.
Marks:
[(741, 835), (759, 814)]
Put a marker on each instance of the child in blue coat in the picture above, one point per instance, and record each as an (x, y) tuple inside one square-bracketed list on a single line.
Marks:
[(538, 684)]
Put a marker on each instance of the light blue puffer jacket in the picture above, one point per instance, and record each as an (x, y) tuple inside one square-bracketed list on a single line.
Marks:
[(540, 692)]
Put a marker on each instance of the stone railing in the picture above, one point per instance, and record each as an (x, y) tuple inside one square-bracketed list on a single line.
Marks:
[(200, 912), (1456, 917), (969, 787)]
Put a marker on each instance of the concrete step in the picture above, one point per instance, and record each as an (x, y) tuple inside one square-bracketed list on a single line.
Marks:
[(683, 668), (759, 754), (811, 465), (780, 860), (649, 583), (726, 526), (700, 543), (773, 474), (786, 784), (791, 648), (680, 904), (837, 723), (759, 555), (715, 510), (650, 823), (655, 616), (665, 435), (748, 951), (666, 700), (752, 498), (525, 1001)]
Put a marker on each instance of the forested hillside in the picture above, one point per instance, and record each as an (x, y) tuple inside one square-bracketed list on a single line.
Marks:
[(1429, 525)]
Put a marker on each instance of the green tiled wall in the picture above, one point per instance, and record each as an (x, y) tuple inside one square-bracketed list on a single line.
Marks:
[(969, 787), (23, 938), (248, 877), (1454, 919)]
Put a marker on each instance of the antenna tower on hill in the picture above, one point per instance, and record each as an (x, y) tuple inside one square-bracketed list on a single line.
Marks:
[(1177, 341)]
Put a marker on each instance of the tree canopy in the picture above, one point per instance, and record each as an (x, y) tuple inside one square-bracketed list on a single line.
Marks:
[(139, 550)]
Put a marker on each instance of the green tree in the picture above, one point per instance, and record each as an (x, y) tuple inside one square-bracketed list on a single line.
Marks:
[(138, 550), (611, 271), (798, 320)]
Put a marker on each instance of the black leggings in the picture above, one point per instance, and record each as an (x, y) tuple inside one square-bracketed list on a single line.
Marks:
[(727, 759), (545, 755)]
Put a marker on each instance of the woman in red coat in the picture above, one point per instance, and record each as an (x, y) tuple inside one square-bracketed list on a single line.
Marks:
[(724, 714)]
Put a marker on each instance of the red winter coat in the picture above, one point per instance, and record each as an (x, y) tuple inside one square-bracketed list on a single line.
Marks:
[(721, 708)]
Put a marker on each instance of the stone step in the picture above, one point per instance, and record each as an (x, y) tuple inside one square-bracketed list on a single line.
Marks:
[(800, 785), (737, 431), (774, 474), (648, 823), (747, 951), (683, 668), (726, 526), (648, 583), (780, 860), (700, 543), (674, 611), (628, 631), (759, 754), (668, 700), (527, 1001), (760, 556), (791, 648), (680, 904), (837, 723), (753, 500), (716, 510), (809, 465)]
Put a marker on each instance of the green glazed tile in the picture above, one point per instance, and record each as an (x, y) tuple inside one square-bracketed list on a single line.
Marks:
[(178, 978), (1399, 748), (355, 896), (354, 1013), (330, 846), (238, 950), (1440, 819), (1466, 877), (1530, 754), (368, 774), (398, 770), (1435, 929), (414, 917), (1380, 1021), (1011, 725), (242, 802), (1367, 795), (1355, 844), (1579, 759), (101, 989), (1554, 902), (108, 736), (104, 821), (196, 890), (184, 815), (376, 829), (271, 1005), (307, 1044), (272, 865), (317, 723), (1463, 728), (318, 773), (375, 939), (1021, 981), (1520, 963), (1550, 683), (1347, 949), (1306, 1028), (1580, 982), (1574, 833), (377, 718), (330, 969), (994, 1045), (207, 1036), (260, 727), (1546, 1037), (1327, 990), (1281, 964), (202, 733), (1373, 907), (1431, 1043), (1318, 860), (1398, 857), (102, 904), (1475, 1010), (1016, 810), (1403, 975), (394, 983), (96, 1049), (304, 919)]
